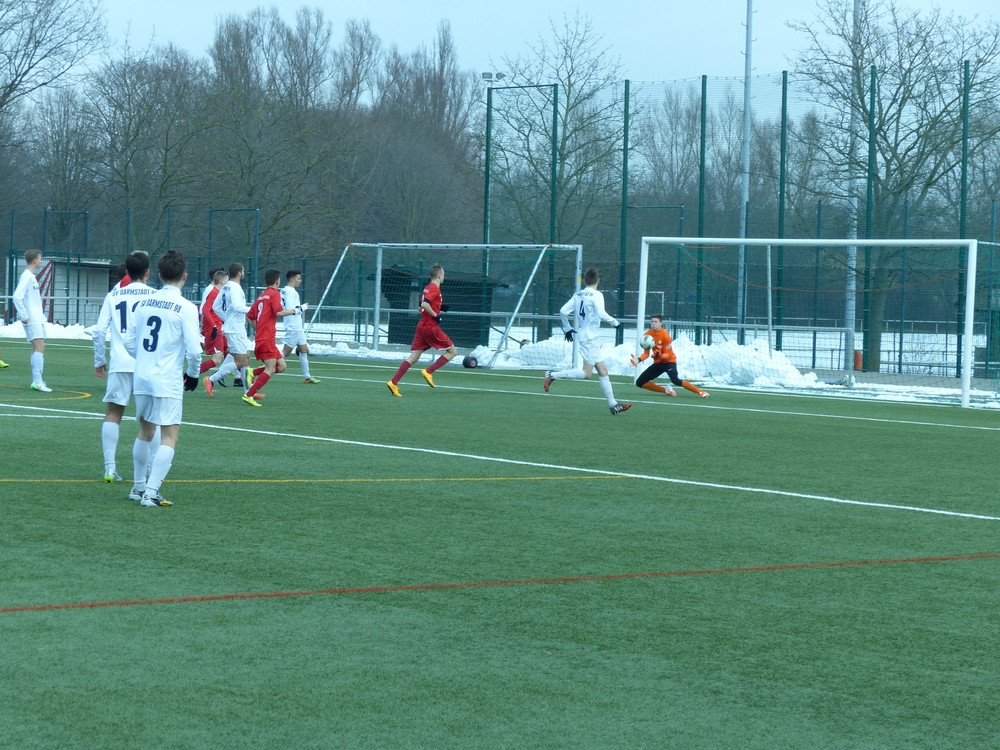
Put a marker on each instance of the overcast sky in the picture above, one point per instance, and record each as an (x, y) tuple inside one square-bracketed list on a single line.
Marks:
[(656, 40)]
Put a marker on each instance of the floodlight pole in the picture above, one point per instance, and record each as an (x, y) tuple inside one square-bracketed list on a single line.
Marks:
[(741, 301), (487, 161)]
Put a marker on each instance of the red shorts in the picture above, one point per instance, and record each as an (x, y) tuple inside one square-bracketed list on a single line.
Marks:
[(219, 344), (431, 337), (264, 350)]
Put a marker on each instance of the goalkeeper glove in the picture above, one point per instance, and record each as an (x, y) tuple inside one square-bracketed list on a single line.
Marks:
[(569, 334), (190, 383)]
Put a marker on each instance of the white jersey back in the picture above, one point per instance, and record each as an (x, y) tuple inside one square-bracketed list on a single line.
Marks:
[(161, 336), (117, 310), (587, 307), (289, 301), (231, 305)]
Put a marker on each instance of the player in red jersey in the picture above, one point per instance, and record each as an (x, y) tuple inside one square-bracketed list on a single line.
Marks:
[(263, 317), (428, 334), (664, 361), (211, 324)]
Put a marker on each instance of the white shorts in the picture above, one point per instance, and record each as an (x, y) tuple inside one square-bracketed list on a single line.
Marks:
[(119, 390), (592, 351), (238, 342), (34, 331), (294, 337), (159, 410)]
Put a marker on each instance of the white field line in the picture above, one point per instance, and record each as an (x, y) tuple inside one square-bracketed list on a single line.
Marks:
[(543, 465)]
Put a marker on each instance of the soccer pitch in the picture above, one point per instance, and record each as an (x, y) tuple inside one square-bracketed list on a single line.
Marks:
[(486, 565)]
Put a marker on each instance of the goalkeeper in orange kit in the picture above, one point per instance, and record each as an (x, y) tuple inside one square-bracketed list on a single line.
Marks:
[(664, 361)]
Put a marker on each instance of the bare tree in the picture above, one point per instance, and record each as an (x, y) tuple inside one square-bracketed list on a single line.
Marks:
[(64, 150), (356, 65), (590, 132), (918, 60), (41, 41)]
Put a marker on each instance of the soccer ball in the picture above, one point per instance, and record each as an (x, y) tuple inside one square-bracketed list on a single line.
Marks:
[(646, 342)]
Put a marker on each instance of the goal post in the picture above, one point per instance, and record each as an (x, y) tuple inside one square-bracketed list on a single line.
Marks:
[(916, 302), (496, 293)]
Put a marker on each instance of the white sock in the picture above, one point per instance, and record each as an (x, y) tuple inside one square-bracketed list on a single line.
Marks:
[(140, 458), (154, 446), (304, 361), (37, 366), (227, 366), (161, 465), (109, 444), (569, 375), (605, 382)]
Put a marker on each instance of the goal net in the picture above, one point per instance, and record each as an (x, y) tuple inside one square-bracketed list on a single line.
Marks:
[(883, 319), (500, 297)]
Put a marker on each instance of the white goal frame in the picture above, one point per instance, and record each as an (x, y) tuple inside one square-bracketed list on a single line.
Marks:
[(971, 246), (381, 247)]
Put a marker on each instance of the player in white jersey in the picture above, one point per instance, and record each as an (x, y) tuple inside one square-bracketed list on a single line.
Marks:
[(295, 334), (587, 307), (116, 311), (163, 337), (28, 304), (231, 305)]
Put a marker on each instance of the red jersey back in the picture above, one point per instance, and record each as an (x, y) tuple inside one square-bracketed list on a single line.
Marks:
[(432, 296), (209, 319), (265, 311)]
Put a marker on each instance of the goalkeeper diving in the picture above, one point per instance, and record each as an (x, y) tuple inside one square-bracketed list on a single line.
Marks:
[(664, 361)]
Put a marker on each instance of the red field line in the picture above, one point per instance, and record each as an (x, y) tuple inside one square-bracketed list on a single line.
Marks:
[(483, 584)]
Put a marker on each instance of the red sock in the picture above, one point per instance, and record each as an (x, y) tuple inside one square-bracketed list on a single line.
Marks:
[(651, 386), (259, 383), (401, 372), (257, 371), (207, 365), (438, 363)]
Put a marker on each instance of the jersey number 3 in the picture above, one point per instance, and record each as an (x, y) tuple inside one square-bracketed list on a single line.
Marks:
[(153, 338)]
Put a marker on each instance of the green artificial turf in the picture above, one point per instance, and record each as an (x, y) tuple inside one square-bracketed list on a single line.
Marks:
[(486, 565)]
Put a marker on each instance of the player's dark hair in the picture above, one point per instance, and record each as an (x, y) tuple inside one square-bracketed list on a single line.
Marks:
[(271, 275), (171, 266), (137, 264), (122, 271), (235, 269), (657, 316), (292, 272), (590, 277)]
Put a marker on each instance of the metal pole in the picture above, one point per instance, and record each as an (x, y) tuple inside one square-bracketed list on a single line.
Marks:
[(623, 235), (555, 162), (745, 179), (486, 185)]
